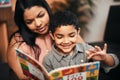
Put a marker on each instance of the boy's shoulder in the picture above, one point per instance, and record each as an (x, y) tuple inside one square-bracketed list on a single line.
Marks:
[(83, 46), (50, 55)]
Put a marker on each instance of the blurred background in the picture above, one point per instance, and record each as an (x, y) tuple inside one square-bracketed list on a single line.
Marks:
[(92, 15)]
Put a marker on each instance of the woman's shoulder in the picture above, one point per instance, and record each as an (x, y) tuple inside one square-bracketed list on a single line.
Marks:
[(15, 38), (17, 42), (18, 37)]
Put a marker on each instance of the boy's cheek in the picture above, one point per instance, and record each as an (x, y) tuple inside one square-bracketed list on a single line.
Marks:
[(74, 40), (58, 41)]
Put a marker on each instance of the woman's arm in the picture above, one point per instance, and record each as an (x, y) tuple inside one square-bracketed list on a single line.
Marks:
[(13, 60)]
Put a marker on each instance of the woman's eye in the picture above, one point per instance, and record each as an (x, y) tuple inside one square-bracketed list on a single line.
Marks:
[(28, 22), (41, 15)]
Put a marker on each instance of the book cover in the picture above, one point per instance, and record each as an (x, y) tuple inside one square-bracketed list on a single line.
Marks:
[(34, 70), (86, 71)]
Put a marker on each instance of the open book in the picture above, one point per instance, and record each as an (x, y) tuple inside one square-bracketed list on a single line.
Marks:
[(33, 69)]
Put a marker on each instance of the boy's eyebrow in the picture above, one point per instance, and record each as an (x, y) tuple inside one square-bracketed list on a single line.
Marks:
[(69, 33), (72, 32), (58, 34)]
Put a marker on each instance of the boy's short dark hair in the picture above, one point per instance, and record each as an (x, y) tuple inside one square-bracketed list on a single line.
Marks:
[(64, 18)]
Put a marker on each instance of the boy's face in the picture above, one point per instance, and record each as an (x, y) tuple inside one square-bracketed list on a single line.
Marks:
[(65, 38)]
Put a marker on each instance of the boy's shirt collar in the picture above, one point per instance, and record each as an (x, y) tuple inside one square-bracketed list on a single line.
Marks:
[(59, 56)]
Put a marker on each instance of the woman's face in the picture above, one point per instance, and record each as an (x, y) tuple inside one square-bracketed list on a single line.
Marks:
[(37, 19)]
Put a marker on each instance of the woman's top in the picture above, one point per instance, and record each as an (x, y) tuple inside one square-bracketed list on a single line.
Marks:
[(44, 44)]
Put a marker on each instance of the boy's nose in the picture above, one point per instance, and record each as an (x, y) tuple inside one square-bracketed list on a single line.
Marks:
[(66, 40)]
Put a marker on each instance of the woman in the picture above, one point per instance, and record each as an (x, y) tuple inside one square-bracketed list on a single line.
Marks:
[(33, 18)]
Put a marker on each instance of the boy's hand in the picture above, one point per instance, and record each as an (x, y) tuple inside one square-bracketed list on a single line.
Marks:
[(97, 54)]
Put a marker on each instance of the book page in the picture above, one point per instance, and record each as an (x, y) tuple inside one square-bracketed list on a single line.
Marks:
[(31, 67)]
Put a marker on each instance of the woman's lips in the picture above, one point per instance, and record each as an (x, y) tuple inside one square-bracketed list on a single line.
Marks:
[(41, 29)]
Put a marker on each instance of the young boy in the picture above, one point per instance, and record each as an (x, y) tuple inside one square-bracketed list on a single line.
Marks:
[(67, 51)]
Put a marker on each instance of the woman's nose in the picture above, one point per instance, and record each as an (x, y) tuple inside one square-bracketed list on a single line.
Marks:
[(38, 22)]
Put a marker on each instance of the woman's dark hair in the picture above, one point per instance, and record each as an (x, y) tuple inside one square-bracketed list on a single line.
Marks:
[(64, 18), (27, 35)]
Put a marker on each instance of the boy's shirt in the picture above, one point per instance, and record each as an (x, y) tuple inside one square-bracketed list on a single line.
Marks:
[(54, 59)]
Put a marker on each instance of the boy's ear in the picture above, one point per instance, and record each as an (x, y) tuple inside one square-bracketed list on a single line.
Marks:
[(78, 30), (51, 35)]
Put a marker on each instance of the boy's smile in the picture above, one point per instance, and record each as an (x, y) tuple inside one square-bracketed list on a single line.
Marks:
[(65, 38)]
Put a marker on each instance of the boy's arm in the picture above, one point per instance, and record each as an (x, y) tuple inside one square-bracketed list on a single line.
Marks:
[(112, 58), (109, 61)]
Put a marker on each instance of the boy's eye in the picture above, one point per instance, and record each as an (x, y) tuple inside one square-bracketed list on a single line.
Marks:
[(72, 35), (59, 36)]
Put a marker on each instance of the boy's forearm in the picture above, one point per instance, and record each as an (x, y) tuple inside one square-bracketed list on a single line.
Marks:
[(109, 61)]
